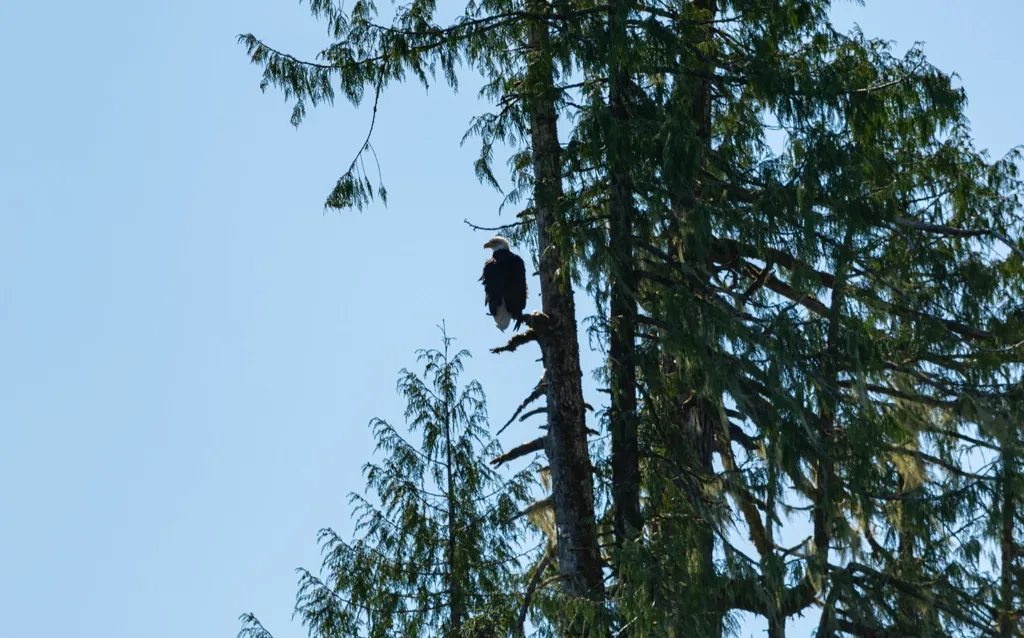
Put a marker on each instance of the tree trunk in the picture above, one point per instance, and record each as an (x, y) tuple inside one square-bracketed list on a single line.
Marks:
[(622, 417), (773, 569), (910, 608), (572, 487), (824, 505), (455, 604), (1008, 611), (698, 430), (693, 420)]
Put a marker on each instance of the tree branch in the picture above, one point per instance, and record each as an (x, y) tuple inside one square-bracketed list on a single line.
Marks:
[(501, 228), (544, 503), (530, 589), (517, 340), (537, 392), (519, 451)]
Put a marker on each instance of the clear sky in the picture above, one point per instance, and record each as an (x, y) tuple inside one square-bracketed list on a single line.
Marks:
[(190, 350)]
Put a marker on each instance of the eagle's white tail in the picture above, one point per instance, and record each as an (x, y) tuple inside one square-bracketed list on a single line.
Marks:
[(502, 318)]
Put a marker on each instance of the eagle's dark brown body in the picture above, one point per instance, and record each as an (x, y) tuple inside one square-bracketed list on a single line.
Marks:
[(505, 288)]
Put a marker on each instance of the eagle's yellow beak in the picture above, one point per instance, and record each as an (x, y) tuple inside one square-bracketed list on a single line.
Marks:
[(489, 244)]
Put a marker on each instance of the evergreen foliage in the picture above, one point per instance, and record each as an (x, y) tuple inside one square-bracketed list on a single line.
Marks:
[(812, 296), (436, 547)]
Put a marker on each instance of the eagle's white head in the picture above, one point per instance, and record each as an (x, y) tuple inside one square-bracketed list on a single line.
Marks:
[(497, 243)]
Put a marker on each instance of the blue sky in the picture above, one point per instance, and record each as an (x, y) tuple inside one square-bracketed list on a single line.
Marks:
[(190, 350)]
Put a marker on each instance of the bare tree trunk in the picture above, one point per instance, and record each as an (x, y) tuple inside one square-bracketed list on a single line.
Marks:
[(572, 487), (623, 308)]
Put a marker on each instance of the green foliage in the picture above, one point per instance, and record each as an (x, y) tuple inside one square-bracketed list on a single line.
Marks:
[(436, 547), (829, 280)]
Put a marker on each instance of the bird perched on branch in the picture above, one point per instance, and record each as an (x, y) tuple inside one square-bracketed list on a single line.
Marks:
[(504, 280)]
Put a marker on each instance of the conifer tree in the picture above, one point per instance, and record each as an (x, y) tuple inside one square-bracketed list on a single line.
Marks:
[(869, 202), (490, 37), (437, 552), (825, 327)]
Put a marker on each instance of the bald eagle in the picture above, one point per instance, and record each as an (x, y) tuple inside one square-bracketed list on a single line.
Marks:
[(504, 282)]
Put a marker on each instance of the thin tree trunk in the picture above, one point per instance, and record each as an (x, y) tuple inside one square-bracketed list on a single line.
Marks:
[(572, 487), (824, 506), (623, 308), (1008, 611), (772, 567), (455, 604), (909, 606), (699, 435)]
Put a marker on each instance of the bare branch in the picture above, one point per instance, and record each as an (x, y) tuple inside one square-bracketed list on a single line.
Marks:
[(502, 228), (533, 412), (531, 588), (537, 392), (519, 451)]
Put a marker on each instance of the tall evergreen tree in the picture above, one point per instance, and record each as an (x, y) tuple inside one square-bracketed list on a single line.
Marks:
[(817, 391), (366, 55), (565, 443), (437, 548), (828, 323)]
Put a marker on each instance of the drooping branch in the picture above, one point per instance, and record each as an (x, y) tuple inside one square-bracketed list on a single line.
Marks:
[(898, 394), (934, 460), (776, 285), (949, 231), (500, 229), (727, 251), (730, 253), (913, 590)]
